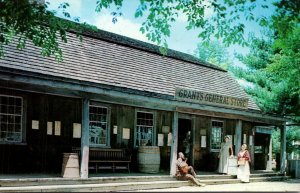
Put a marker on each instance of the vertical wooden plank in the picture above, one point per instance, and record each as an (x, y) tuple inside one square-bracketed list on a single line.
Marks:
[(196, 143), (238, 133), (193, 139), (252, 149), (174, 144), (84, 167), (269, 162), (282, 148)]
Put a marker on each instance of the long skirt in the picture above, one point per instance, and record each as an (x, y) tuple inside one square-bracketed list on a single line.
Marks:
[(243, 172), (223, 164)]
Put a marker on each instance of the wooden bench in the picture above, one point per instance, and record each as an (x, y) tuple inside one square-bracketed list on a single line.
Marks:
[(113, 159)]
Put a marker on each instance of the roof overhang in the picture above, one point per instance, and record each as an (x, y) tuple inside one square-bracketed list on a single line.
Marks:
[(32, 82)]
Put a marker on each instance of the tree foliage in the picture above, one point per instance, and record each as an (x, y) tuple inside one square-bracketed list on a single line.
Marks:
[(273, 68), (30, 20), (213, 52), (273, 65), (225, 22), (292, 136)]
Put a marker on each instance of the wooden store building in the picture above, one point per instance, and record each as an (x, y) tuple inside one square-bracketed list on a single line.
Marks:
[(113, 97)]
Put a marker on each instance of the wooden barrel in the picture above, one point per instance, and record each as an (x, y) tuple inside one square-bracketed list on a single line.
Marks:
[(148, 158), (70, 165)]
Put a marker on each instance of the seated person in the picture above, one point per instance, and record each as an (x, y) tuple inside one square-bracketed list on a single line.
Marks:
[(184, 171)]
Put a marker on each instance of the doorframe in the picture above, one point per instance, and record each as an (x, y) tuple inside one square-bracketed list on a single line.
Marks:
[(266, 130), (193, 126)]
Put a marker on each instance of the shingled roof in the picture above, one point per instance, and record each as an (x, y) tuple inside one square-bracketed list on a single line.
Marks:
[(110, 59)]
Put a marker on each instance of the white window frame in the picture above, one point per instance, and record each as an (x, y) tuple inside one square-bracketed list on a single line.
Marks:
[(94, 104), (153, 127), (221, 135), (21, 121)]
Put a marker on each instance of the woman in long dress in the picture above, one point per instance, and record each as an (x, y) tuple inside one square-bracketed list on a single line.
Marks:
[(243, 171), (225, 153)]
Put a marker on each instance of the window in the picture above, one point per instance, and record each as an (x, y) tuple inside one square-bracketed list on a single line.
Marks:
[(216, 135), (10, 118), (98, 126), (144, 128)]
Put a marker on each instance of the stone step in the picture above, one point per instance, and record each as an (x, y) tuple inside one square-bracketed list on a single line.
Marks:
[(252, 179), (10, 182), (127, 186), (97, 180)]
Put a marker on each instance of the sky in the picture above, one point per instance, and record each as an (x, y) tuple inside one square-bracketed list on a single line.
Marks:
[(127, 25)]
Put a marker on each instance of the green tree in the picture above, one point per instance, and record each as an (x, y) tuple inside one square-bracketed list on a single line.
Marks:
[(27, 20), (292, 135), (273, 68), (261, 87), (213, 52)]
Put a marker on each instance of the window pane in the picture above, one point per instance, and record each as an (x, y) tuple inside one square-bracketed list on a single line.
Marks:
[(4, 100), (18, 128), (98, 125), (144, 129), (10, 118), (3, 109), (18, 102), (216, 135)]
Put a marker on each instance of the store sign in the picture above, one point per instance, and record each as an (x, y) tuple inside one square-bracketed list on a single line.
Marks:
[(210, 98)]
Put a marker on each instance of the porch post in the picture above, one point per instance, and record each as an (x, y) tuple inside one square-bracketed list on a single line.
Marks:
[(238, 133), (174, 144), (84, 167), (269, 163), (251, 149), (282, 148)]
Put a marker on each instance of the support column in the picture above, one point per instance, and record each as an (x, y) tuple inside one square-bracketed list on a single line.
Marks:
[(282, 148), (174, 144), (84, 167), (238, 133), (251, 149), (269, 163)]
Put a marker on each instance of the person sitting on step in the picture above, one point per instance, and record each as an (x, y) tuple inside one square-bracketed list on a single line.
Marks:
[(184, 171)]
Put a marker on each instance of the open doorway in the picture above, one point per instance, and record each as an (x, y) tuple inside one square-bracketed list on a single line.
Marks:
[(185, 144), (261, 150)]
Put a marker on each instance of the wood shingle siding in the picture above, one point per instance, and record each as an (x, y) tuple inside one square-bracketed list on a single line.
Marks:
[(104, 62)]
